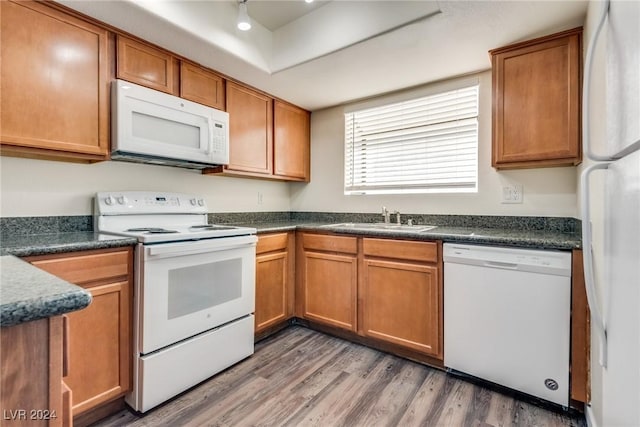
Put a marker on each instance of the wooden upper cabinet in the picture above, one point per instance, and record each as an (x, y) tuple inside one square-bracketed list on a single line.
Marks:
[(250, 130), (536, 102), (200, 85), (291, 141), (146, 65), (54, 81)]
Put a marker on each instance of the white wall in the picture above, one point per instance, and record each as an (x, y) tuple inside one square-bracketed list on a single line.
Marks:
[(43, 188), (547, 192)]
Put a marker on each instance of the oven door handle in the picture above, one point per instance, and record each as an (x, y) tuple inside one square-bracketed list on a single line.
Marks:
[(202, 246)]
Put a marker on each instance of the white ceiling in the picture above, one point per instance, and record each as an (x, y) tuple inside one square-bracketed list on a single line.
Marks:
[(342, 50), (273, 14)]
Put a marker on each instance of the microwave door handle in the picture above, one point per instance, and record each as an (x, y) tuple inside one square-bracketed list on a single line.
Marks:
[(209, 148)]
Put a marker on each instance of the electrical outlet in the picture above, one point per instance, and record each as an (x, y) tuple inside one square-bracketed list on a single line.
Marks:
[(260, 198), (512, 193)]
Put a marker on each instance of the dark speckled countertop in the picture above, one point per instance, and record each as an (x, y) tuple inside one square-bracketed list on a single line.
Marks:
[(523, 238), (29, 293)]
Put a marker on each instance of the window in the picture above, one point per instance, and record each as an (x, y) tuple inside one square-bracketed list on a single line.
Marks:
[(423, 145)]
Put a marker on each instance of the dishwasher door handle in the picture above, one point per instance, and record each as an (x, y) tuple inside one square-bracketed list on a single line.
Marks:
[(503, 265)]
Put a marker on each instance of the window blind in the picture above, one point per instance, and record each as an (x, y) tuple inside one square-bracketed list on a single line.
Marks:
[(427, 144)]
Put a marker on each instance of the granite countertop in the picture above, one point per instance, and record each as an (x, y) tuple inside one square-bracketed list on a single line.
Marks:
[(29, 293), (23, 245), (538, 239)]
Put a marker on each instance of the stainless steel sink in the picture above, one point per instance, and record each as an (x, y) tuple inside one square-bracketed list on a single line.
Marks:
[(382, 226)]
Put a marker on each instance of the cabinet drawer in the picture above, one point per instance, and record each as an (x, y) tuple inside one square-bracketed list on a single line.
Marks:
[(401, 249), (272, 242), (321, 242), (84, 267)]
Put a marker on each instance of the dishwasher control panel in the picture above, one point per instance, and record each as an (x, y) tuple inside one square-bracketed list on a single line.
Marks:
[(547, 261)]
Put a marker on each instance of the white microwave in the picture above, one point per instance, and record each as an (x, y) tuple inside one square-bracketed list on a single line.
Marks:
[(149, 126)]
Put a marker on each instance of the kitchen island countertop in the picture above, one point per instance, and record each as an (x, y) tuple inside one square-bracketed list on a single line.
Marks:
[(28, 293)]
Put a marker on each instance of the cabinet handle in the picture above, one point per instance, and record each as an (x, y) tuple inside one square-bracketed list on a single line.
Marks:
[(65, 345)]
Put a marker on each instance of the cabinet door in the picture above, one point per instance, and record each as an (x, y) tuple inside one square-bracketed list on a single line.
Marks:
[(250, 130), (202, 86), (146, 65), (536, 102), (330, 289), (31, 367), (271, 289), (99, 347), (291, 141), (99, 336), (54, 78), (401, 304)]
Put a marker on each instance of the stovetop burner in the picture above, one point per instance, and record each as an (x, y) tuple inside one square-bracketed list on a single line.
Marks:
[(151, 230)]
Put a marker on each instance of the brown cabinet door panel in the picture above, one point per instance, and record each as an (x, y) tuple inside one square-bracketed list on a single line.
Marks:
[(54, 80), (330, 289), (201, 86), (401, 305), (250, 130), (536, 95), (291, 141), (145, 65), (271, 289), (99, 344)]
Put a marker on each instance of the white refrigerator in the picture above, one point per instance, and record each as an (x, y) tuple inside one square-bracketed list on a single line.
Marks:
[(610, 185)]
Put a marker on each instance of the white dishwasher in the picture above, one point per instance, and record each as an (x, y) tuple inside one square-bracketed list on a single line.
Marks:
[(507, 317)]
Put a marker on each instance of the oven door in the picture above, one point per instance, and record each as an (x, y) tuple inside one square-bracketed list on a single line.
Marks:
[(190, 287)]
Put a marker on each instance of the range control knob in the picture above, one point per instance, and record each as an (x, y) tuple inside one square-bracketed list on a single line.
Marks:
[(121, 200), (109, 200), (193, 202), (200, 202)]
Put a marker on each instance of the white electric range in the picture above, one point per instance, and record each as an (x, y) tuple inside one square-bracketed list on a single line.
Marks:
[(194, 292)]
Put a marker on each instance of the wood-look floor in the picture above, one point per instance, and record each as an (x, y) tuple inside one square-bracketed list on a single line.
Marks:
[(301, 377)]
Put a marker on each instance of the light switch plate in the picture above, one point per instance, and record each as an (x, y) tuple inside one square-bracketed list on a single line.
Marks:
[(512, 193)]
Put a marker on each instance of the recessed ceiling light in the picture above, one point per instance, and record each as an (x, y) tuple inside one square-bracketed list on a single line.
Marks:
[(308, 1)]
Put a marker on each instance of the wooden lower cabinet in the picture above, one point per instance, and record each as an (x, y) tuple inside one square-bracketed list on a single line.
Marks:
[(99, 336), (274, 280), (388, 291), (580, 333), (31, 374), (400, 304), (329, 280), (401, 293)]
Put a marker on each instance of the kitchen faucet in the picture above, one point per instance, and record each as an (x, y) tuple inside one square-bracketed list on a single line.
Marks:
[(385, 215), (397, 214)]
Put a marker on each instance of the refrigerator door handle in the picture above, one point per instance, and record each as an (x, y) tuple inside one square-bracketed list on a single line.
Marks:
[(589, 277), (586, 99), (586, 89)]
